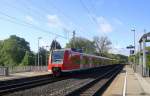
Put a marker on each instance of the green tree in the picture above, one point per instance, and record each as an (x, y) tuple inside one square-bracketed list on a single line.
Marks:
[(25, 60), (102, 44), (13, 50), (148, 56), (81, 43), (121, 58), (55, 45), (136, 57), (1, 60), (43, 59), (29, 59), (131, 58)]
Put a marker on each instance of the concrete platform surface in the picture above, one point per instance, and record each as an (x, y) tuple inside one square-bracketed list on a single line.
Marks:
[(135, 85), (22, 75)]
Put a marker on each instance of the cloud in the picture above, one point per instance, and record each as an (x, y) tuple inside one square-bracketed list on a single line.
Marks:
[(104, 25), (30, 20), (54, 21)]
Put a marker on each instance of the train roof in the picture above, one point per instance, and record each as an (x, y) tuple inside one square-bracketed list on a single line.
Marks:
[(71, 49), (101, 57)]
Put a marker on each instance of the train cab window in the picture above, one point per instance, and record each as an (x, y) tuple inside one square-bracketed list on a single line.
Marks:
[(57, 56)]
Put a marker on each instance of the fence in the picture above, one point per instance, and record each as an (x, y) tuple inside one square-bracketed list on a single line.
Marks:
[(139, 69), (16, 69), (4, 71)]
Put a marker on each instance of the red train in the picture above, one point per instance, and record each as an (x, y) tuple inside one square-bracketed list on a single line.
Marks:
[(69, 60)]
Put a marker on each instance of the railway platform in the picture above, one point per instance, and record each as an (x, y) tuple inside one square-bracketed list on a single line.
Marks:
[(128, 83), (22, 75)]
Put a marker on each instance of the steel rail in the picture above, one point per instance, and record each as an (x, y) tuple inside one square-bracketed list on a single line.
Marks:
[(83, 90), (28, 84)]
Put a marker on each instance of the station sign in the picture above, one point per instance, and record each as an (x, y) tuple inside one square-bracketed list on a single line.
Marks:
[(130, 47), (131, 51)]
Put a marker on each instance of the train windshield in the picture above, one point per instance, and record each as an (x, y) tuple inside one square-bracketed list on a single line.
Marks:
[(57, 56)]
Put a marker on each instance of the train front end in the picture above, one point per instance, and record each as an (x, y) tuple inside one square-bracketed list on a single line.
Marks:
[(56, 60)]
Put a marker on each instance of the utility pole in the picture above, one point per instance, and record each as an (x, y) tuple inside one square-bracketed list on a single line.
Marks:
[(74, 33), (35, 59), (133, 30), (39, 51), (55, 42), (144, 31), (41, 60)]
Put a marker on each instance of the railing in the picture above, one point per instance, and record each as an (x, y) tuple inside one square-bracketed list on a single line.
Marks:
[(147, 72), (4, 71), (17, 69), (139, 69)]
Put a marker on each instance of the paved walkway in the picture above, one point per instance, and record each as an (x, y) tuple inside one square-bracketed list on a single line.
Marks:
[(135, 86), (22, 75)]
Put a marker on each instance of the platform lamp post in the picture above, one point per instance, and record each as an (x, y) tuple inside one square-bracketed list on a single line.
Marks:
[(41, 60), (133, 30), (46, 61), (39, 52)]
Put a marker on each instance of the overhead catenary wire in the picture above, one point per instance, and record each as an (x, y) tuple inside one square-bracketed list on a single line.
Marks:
[(25, 10), (26, 24), (28, 7), (40, 14), (93, 7), (89, 13), (81, 29), (44, 10), (35, 11)]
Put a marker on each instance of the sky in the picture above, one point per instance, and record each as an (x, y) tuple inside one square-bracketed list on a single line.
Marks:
[(56, 19)]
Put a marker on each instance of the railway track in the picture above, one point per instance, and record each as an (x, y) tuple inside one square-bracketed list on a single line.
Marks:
[(97, 86), (19, 80), (10, 86), (69, 85)]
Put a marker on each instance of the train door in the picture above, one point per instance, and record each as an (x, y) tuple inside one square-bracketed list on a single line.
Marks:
[(81, 59), (90, 61)]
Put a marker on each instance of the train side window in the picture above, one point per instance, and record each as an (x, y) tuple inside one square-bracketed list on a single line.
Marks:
[(83, 60), (87, 60)]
